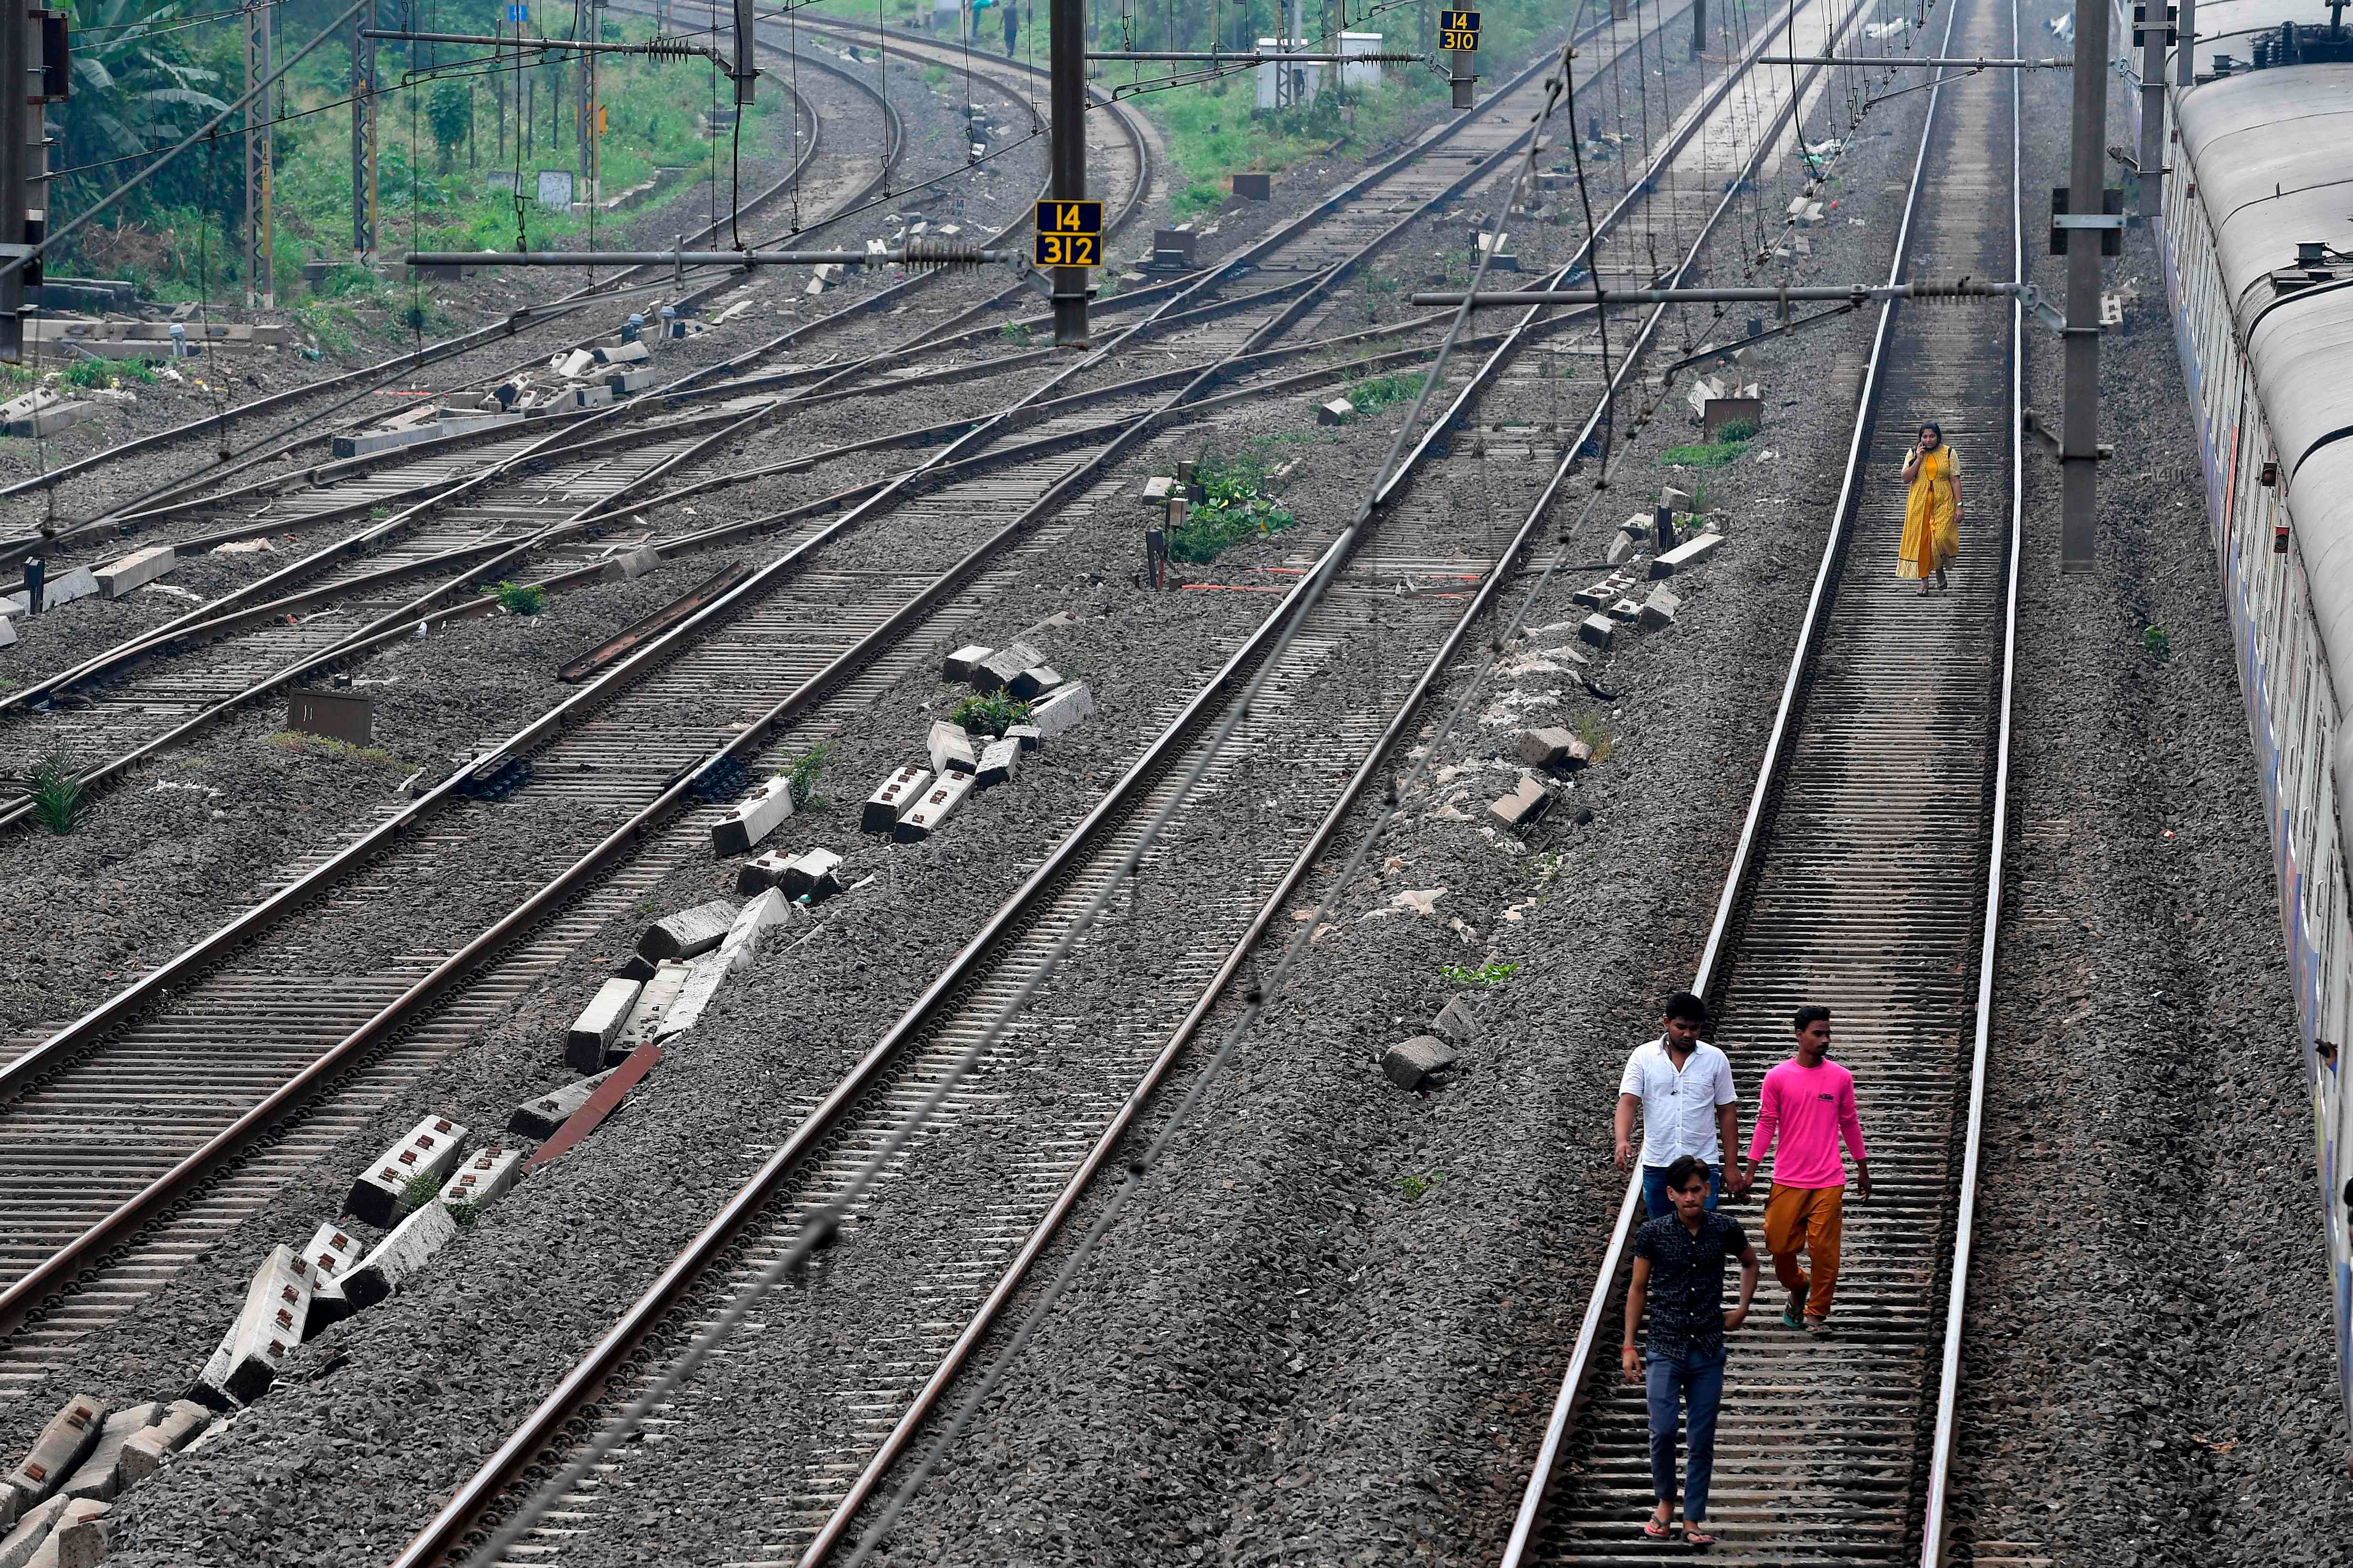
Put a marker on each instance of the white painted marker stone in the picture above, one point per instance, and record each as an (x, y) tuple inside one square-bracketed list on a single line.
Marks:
[(753, 818)]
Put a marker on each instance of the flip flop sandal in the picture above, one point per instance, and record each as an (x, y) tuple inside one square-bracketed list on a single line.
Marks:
[(1820, 1328), (1696, 1536), (1789, 1320), (1658, 1529)]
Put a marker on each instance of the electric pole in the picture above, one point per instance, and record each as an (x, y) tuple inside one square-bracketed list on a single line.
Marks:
[(1699, 28), (2152, 30), (363, 136), (261, 250), (18, 231), (2185, 53), (1066, 41), (2079, 442)]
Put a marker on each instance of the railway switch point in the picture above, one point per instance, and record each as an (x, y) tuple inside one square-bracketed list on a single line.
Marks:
[(957, 667), (1524, 807), (688, 932), (999, 760), (931, 812), (401, 1256), (98, 1477), (380, 1192), (893, 799), (951, 749), (599, 1024), (62, 1445), (1411, 1064), (539, 1117), (753, 818)]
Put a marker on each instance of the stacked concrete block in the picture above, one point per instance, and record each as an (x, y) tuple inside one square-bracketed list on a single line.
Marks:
[(813, 873), (332, 1254), (711, 969), (999, 669), (599, 1024), (1554, 747), (267, 1330), (1034, 683), (951, 749), (401, 1257), (1071, 705), (136, 569), (998, 761), (1029, 737), (957, 667), (147, 1451), (1687, 554), (687, 933), (380, 1192), (484, 1179), (68, 1438), (100, 1477), (1521, 808), (892, 800), (754, 818), (939, 803), (540, 1117)]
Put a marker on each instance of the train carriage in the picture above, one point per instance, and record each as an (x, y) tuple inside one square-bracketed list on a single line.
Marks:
[(2259, 272)]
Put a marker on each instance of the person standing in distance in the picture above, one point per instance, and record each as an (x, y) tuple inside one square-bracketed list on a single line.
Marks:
[(1807, 1104), (1678, 1270), (1684, 1087)]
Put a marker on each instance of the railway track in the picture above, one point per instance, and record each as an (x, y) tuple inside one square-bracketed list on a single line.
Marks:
[(1315, 727), (1867, 870)]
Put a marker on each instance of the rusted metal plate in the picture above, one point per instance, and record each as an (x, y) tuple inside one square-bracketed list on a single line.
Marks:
[(600, 1105)]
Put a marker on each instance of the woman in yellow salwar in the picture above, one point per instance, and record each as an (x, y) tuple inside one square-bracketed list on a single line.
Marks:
[(1932, 516)]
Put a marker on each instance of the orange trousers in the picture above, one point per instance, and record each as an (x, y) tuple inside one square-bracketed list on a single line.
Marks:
[(1811, 1218)]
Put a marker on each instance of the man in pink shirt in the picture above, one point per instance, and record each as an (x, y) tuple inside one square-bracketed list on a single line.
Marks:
[(1808, 1104)]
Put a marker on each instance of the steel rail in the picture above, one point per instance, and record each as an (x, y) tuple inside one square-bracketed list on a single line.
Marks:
[(1934, 1520), (1780, 741), (384, 370), (928, 1400), (29, 1296)]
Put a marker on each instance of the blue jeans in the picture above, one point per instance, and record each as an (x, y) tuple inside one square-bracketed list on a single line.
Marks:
[(1700, 1389), (1654, 1189)]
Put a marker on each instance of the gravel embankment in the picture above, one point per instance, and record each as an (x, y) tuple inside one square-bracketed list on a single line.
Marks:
[(1428, 1329), (2149, 1372)]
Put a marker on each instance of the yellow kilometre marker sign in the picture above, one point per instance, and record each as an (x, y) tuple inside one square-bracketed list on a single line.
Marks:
[(1459, 31), (1070, 234)]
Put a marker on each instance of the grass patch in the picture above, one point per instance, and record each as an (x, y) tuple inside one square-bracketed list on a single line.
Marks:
[(92, 373), (1414, 1185), (1595, 736), (520, 598), (991, 715), (1736, 430), (1704, 454), (468, 1215), (1377, 393), (1485, 974), (1017, 334), (1233, 508), (804, 774), (422, 1189), (55, 791), (302, 742), (2159, 645)]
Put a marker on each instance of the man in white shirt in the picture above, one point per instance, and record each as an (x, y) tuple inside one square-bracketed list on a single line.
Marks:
[(1684, 1087)]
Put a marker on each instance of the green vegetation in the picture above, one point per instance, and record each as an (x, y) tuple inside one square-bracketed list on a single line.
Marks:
[(1413, 1187), (56, 794), (422, 1189), (1232, 509), (1485, 974), (1017, 334), (1595, 736), (2159, 645), (1377, 393), (804, 774), (1736, 430), (452, 145), (1703, 455), (99, 372), (302, 742), (520, 598), (991, 715)]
